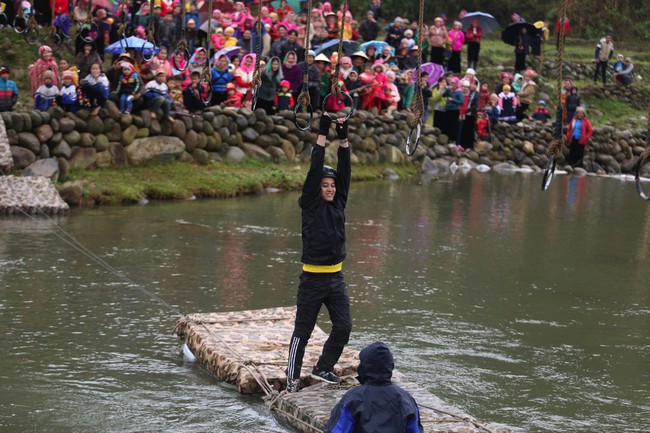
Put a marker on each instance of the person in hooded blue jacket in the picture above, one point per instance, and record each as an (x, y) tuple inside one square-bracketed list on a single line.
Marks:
[(377, 405)]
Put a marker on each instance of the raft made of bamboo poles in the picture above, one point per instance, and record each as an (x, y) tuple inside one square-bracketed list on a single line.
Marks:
[(250, 349)]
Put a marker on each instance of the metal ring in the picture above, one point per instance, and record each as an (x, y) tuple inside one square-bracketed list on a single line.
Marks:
[(86, 30), (256, 89), (295, 117), (637, 178), (549, 171), (186, 56), (203, 83), (25, 27), (351, 106), (3, 20), (153, 50), (124, 45), (56, 38), (32, 40), (410, 148)]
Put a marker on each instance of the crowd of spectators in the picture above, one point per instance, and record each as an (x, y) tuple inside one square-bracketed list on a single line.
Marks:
[(381, 77)]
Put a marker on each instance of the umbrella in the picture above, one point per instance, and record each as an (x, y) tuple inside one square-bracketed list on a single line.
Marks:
[(229, 52), (130, 42), (487, 22), (332, 46), (379, 45), (434, 70), (511, 33)]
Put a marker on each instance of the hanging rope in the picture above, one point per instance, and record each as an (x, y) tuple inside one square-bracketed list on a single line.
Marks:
[(304, 99), (555, 148), (257, 75), (205, 85), (121, 28), (418, 100), (31, 34), (88, 30), (52, 31), (182, 47), (336, 87), (20, 22), (150, 39), (643, 159)]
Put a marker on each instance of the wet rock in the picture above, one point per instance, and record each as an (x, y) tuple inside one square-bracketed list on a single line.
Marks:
[(255, 152), (87, 139), (101, 143), (22, 157), (71, 192), (43, 167), (277, 154), (45, 152), (128, 135), (154, 150), (62, 150), (235, 154), (179, 129), (64, 169), (66, 125), (117, 153), (83, 157), (72, 138), (95, 125), (201, 156), (29, 141), (104, 159), (44, 133)]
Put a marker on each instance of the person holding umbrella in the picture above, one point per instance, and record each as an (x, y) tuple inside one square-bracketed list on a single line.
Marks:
[(473, 36)]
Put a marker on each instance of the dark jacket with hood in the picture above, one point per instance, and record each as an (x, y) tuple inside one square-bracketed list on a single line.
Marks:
[(377, 405), (323, 223)]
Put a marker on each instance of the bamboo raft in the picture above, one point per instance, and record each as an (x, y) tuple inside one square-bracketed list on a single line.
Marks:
[(250, 349)]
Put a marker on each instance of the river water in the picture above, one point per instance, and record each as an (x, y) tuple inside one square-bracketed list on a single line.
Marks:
[(523, 308)]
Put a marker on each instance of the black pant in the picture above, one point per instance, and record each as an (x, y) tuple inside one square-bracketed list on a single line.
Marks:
[(467, 131), (473, 48), (315, 290), (520, 112), (576, 152), (266, 105), (438, 55), (520, 62), (451, 125), (602, 66), (454, 62)]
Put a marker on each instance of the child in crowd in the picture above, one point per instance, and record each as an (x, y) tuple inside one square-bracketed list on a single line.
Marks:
[(157, 95), (392, 94), (352, 83), (67, 98), (64, 65), (234, 98), (507, 105), (191, 33), (192, 94), (284, 98), (94, 89), (483, 96), (229, 39), (427, 92), (46, 94), (541, 113), (620, 64), (8, 90), (571, 103), (128, 87), (175, 92)]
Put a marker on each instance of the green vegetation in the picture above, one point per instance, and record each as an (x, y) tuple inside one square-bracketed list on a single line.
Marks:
[(178, 180)]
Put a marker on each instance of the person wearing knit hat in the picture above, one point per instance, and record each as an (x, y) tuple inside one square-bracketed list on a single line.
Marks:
[(627, 75), (45, 63), (8, 90), (67, 98), (284, 98), (46, 94), (578, 134), (526, 94), (128, 86), (157, 95)]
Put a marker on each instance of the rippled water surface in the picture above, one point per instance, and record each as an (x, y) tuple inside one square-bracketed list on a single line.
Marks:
[(523, 308)]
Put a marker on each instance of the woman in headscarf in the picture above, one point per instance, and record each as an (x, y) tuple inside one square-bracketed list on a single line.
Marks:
[(196, 64), (346, 68), (243, 75), (457, 38), (221, 76), (371, 53), (44, 63), (271, 78), (292, 72), (289, 22), (85, 58), (163, 62), (239, 15), (142, 17), (378, 94), (387, 58)]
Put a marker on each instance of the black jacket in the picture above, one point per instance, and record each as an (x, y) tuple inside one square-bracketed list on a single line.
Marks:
[(323, 223), (377, 405)]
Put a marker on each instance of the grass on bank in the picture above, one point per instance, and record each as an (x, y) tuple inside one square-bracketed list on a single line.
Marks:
[(179, 180)]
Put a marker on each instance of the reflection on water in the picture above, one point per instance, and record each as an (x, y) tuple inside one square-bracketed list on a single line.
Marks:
[(524, 308)]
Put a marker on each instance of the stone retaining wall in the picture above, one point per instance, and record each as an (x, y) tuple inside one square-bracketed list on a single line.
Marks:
[(114, 139)]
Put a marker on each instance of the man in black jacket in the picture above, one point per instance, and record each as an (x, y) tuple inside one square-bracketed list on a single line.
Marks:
[(369, 28), (377, 405), (323, 200)]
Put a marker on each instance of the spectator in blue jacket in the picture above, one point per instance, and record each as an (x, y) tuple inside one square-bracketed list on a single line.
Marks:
[(46, 94), (377, 405), (8, 90)]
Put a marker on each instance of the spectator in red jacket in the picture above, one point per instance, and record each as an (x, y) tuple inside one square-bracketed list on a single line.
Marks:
[(473, 37), (578, 134)]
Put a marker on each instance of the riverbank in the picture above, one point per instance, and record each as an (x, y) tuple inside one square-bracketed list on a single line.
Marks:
[(185, 181)]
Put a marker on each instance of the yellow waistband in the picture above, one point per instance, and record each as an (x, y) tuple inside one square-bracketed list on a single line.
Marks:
[(322, 269)]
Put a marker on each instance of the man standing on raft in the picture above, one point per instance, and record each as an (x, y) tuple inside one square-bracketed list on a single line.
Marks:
[(323, 200)]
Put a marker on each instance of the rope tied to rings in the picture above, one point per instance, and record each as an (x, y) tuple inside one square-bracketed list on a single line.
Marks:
[(150, 39), (257, 75), (555, 148), (181, 46), (415, 122), (336, 87), (206, 76), (303, 98)]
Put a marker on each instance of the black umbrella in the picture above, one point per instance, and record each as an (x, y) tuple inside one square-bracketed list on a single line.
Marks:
[(510, 34), (329, 47)]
